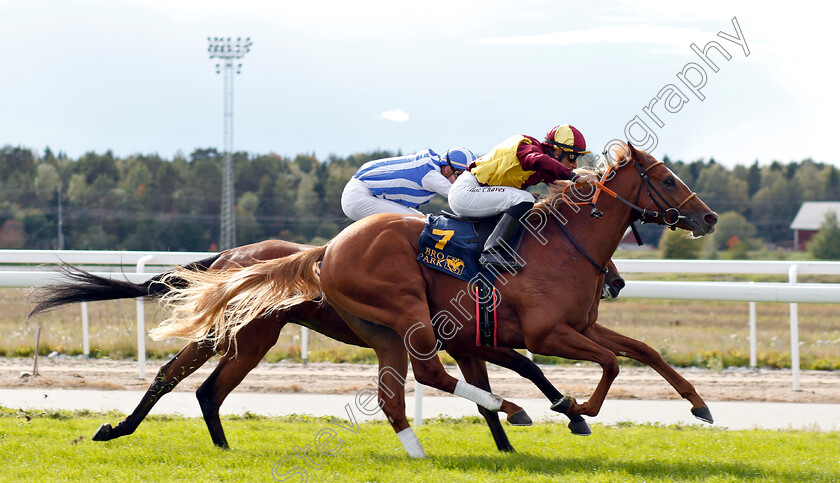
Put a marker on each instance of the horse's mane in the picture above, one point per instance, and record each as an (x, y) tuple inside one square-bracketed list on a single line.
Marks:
[(557, 188), (599, 167)]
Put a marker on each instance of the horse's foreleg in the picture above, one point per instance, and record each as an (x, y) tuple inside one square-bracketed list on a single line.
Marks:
[(253, 341), (516, 362), (624, 346), (475, 372), (564, 341), (190, 358)]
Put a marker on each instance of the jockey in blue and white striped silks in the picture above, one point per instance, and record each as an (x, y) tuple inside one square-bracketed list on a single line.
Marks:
[(401, 184)]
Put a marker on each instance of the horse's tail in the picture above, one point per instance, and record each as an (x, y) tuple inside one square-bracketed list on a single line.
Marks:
[(216, 305), (83, 286)]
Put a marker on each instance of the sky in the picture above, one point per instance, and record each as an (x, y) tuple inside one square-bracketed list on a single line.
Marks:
[(338, 77)]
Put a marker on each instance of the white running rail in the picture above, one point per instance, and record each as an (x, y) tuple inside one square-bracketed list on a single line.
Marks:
[(30, 268)]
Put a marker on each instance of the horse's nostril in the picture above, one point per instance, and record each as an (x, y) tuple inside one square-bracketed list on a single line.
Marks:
[(710, 219)]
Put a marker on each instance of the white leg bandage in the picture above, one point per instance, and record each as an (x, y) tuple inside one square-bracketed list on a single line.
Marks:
[(478, 396), (411, 443)]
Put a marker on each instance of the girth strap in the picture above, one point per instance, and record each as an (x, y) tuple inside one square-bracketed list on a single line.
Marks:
[(486, 322)]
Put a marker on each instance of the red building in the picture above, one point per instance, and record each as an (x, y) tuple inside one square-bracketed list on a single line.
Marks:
[(807, 222)]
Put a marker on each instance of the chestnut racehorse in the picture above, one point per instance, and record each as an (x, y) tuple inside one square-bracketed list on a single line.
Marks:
[(369, 274), (260, 335)]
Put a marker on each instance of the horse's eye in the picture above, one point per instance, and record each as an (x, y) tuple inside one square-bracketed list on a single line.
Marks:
[(669, 182)]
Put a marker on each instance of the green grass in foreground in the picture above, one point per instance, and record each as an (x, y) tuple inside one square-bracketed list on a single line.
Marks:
[(53, 446)]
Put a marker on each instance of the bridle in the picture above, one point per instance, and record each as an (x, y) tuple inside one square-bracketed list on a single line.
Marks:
[(657, 197), (670, 215)]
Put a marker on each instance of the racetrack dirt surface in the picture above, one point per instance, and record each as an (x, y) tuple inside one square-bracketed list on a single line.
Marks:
[(345, 378)]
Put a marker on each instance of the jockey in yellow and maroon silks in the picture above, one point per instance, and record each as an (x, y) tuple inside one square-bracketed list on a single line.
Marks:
[(495, 183)]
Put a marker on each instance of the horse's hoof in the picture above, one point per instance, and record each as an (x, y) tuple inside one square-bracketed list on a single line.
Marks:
[(103, 433), (579, 427), (703, 414), (562, 406), (520, 419)]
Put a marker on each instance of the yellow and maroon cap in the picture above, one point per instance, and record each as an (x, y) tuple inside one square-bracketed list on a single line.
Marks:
[(567, 138)]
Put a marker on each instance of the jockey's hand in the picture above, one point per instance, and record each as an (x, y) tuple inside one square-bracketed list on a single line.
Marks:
[(586, 177)]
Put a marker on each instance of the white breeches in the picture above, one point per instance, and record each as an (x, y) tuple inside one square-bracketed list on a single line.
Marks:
[(358, 202), (468, 198)]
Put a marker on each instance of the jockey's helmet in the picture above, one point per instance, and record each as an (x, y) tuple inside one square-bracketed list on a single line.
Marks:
[(459, 158), (567, 138)]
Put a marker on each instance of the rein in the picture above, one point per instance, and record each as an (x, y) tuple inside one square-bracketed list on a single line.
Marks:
[(642, 214), (575, 243)]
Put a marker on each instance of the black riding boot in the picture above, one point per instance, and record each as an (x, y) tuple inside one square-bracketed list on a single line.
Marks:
[(495, 252)]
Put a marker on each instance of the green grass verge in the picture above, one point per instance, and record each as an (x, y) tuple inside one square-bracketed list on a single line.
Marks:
[(56, 446)]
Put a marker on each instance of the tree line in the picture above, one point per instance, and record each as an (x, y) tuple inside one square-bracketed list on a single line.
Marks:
[(146, 202)]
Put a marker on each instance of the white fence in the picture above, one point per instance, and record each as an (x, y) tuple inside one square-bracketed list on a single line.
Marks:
[(751, 292), (29, 268)]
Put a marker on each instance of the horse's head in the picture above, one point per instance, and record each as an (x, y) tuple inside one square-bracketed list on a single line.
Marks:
[(665, 199)]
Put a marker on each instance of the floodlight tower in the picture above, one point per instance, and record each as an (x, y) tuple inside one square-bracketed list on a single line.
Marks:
[(228, 51)]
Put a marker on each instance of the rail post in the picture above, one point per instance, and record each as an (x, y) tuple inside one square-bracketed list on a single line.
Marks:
[(304, 343), (753, 345), (85, 331), (418, 404), (141, 323), (794, 331)]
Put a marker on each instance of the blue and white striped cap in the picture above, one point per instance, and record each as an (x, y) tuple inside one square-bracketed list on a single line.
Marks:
[(459, 158)]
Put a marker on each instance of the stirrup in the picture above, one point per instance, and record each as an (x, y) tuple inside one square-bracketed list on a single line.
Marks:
[(491, 257)]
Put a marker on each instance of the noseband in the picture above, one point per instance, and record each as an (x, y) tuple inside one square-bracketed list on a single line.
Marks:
[(670, 216)]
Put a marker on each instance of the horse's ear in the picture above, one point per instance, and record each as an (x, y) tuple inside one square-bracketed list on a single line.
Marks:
[(634, 153)]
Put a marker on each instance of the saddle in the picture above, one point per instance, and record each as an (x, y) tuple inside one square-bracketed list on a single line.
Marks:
[(482, 227), (453, 244)]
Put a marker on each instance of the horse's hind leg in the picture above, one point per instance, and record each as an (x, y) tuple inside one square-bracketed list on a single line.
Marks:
[(624, 346), (393, 367), (190, 358), (253, 341), (475, 372)]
